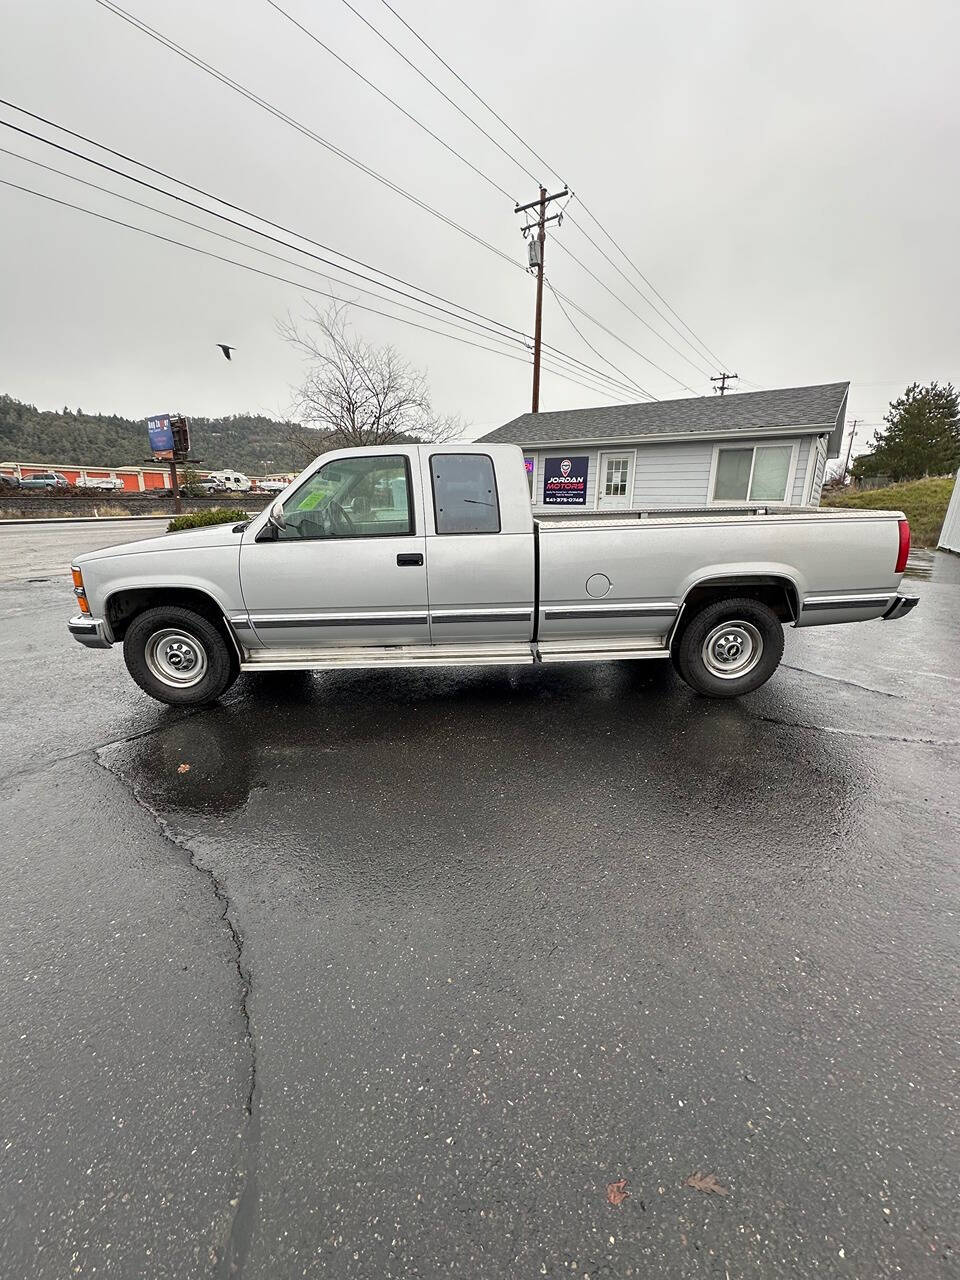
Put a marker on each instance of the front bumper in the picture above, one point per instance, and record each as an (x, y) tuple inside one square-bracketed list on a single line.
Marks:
[(900, 605), (88, 631)]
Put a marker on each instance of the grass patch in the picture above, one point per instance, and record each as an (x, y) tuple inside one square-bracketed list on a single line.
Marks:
[(923, 502), (213, 515)]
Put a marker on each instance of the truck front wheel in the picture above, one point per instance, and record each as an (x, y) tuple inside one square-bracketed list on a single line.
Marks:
[(730, 647), (178, 657)]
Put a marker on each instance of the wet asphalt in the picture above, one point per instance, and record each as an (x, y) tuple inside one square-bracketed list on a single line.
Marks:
[(406, 968)]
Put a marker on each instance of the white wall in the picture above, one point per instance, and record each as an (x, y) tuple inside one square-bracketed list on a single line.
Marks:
[(950, 534), (675, 474)]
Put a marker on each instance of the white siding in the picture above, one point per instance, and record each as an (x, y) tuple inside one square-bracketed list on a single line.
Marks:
[(800, 479), (665, 475), (950, 534), (821, 465), (672, 475)]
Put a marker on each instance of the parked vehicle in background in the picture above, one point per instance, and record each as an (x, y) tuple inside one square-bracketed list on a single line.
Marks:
[(45, 480), (424, 555), (228, 482), (103, 484), (273, 484), (9, 481)]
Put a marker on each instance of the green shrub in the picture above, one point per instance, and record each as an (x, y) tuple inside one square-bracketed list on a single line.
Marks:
[(213, 515), (923, 502)]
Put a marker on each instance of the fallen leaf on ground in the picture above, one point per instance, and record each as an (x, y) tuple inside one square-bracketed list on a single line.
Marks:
[(183, 768), (617, 1191), (706, 1182)]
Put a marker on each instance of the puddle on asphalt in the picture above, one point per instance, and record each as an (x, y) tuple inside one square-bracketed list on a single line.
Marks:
[(933, 566)]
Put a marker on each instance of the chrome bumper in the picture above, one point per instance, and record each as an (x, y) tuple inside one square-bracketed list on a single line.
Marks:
[(88, 631), (901, 605)]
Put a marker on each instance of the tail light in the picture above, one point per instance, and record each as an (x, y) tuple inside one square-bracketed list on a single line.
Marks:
[(78, 589), (904, 549)]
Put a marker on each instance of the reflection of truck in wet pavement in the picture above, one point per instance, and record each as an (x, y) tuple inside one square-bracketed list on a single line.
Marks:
[(429, 555)]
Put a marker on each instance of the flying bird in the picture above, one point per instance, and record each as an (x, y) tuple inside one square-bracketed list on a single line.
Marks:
[(226, 350)]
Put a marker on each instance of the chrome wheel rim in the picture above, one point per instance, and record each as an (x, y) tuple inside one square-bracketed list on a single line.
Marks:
[(176, 658), (732, 649)]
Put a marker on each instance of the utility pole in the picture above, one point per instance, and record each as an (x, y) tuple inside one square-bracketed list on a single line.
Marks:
[(175, 487), (535, 259), (855, 422), (723, 379)]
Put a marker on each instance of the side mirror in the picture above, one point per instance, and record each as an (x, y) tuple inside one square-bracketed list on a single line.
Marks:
[(276, 518)]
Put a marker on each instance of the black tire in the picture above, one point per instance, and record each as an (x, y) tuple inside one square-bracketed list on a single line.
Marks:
[(179, 657), (709, 657)]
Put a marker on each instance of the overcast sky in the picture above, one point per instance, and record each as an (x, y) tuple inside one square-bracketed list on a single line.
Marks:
[(784, 175)]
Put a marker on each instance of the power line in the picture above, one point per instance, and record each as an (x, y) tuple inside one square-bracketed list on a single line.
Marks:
[(705, 354), (416, 35), (208, 195), (197, 226), (259, 232), (710, 355), (307, 132), (393, 102), (206, 253), (699, 368), (592, 347), (593, 320), (198, 62), (423, 76)]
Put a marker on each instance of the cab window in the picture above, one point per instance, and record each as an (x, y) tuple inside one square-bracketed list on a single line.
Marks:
[(352, 498), (464, 493)]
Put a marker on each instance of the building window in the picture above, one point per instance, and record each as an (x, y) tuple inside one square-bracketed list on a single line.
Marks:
[(757, 474), (615, 478)]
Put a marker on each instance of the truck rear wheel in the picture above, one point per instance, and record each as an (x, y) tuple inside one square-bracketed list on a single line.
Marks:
[(729, 648), (178, 657)]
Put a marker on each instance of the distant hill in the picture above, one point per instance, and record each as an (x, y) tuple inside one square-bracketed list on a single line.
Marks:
[(247, 442)]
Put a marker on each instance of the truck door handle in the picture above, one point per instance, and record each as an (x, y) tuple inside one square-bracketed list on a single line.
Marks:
[(409, 557)]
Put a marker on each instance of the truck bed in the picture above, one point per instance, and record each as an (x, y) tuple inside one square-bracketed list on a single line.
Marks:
[(680, 515)]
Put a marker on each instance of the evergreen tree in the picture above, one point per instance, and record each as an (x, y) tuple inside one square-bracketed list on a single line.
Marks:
[(921, 438)]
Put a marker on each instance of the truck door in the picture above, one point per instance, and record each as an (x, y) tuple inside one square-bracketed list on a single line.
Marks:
[(347, 569), (479, 548)]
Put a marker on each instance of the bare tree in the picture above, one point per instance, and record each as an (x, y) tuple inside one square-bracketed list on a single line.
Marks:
[(355, 393)]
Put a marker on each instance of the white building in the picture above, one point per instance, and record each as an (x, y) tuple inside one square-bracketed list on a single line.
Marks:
[(766, 448)]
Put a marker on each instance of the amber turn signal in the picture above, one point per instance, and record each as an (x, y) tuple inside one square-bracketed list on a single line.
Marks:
[(78, 590)]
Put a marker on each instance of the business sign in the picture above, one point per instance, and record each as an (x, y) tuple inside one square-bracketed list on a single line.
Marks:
[(160, 432), (169, 436), (565, 481)]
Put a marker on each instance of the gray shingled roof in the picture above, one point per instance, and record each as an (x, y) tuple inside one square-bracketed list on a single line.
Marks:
[(802, 407)]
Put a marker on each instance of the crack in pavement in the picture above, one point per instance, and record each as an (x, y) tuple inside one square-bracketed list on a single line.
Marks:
[(231, 1257), (33, 769), (884, 693), (857, 733)]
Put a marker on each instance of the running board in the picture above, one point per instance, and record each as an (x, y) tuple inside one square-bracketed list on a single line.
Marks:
[(583, 650), (402, 655), (462, 655)]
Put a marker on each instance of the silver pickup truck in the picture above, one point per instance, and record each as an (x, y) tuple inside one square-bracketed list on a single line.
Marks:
[(427, 555)]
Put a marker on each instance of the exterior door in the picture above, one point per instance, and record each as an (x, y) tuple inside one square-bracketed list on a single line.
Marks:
[(348, 567), (615, 481)]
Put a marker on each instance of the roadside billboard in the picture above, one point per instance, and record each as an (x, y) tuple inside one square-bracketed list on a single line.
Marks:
[(169, 436), (161, 435)]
